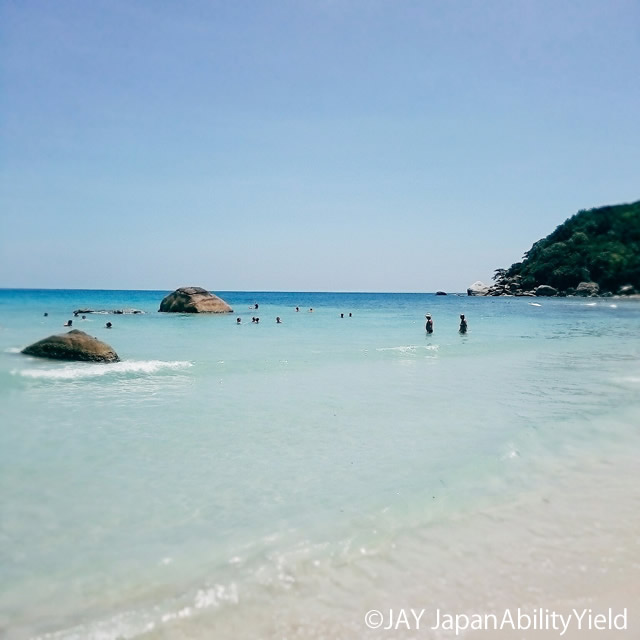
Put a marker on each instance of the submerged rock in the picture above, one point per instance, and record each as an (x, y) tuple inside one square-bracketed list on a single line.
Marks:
[(194, 300), (75, 345), (478, 289), (107, 311)]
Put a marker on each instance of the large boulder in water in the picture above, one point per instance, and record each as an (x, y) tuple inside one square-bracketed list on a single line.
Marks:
[(478, 289), (546, 290), (75, 345), (194, 300), (587, 289)]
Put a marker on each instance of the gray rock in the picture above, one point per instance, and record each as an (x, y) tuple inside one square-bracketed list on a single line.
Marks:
[(546, 290), (587, 289), (441, 293), (75, 345), (478, 289), (118, 312), (194, 300), (626, 290)]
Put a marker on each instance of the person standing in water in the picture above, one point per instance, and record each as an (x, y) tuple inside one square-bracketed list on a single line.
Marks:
[(429, 326), (463, 324)]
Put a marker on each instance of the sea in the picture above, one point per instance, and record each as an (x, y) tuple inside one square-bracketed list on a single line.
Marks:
[(284, 480)]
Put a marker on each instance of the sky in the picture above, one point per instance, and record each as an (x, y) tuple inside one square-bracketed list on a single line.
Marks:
[(306, 145)]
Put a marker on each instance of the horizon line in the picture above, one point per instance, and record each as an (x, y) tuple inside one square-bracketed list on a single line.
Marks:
[(224, 290)]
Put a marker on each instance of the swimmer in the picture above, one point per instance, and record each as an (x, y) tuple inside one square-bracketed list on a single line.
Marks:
[(45, 314), (463, 324), (429, 326), (278, 321), (297, 308), (108, 325), (342, 315), (238, 320), (68, 323)]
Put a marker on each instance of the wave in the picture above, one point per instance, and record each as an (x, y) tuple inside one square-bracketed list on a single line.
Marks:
[(409, 348), (131, 624), (90, 370)]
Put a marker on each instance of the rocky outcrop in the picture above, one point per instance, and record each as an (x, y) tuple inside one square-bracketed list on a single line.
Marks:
[(478, 289), (194, 300), (117, 312), (587, 289), (441, 293), (75, 345), (545, 290)]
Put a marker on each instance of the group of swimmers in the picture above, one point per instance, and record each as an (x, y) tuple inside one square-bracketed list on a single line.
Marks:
[(255, 320), (69, 323), (429, 326)]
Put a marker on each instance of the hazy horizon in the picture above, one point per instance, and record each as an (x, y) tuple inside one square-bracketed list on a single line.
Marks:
[(330, 146)]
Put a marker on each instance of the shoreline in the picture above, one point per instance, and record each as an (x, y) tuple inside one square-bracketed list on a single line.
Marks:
[(542, 557)]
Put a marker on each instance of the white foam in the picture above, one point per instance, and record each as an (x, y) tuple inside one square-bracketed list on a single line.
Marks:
[(82, 370), (409, 348), (131, 624), (12, 350), (535, 304)]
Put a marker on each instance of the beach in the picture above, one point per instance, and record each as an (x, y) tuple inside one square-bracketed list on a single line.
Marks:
[(282, 480)]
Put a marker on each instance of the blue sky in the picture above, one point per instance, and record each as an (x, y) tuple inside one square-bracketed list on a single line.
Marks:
[(306, 145)]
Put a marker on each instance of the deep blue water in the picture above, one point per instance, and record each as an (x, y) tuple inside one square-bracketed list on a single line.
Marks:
[(218, 465)]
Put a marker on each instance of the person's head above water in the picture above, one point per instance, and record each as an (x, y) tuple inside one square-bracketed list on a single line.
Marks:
[(462, 316), (428, 317)]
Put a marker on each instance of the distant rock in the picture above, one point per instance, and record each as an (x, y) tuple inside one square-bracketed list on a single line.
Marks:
[(478, 289), (626, 290), (107, 311), (587, 289), (75, 345), (441, 293), (194, 300), (546, 290)]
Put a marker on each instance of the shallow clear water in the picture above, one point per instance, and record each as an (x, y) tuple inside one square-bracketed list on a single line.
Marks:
[(220, 471)]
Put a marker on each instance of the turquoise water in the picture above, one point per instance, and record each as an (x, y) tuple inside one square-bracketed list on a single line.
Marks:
[(221, 469)]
